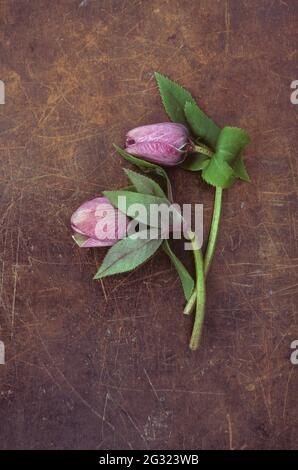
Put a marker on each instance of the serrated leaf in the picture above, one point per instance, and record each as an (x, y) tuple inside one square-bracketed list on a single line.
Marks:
[(240, 170), (230, 143), (143, 184), (173, 97), (146, 167), (127, 254), (185, 278), (201, 125), (218, 173), (195, 162), (132, 206), (220, 170)]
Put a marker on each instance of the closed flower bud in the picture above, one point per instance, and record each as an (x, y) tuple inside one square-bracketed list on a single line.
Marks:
[(165, 143), (98, 223)]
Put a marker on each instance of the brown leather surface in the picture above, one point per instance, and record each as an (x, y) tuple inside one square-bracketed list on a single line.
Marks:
[(106, 365)]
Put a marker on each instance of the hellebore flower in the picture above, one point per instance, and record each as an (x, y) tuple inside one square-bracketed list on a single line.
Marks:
[(165, 143), (98, 223)]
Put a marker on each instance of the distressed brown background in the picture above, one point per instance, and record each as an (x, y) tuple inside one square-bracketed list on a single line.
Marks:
[(91, 365)]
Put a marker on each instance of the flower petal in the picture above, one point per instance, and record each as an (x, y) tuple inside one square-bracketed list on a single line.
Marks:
[(157, 152), (99, 220), (169, 133)]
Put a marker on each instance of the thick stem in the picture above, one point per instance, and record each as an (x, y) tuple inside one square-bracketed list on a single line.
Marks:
[(201, 297), (213, 230), (210, 247)]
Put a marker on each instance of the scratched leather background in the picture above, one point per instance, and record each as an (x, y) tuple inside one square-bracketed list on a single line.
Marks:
[(91, 365)]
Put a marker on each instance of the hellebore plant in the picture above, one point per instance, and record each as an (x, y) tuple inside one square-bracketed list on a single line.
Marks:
[(195, 143)]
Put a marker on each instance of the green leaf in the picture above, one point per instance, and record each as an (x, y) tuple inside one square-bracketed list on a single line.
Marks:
[(143, 184), (129, 188), (240, 170), (173, 97), (195, 162), (218, 173), (185, 278), (201, 125), (79, 239), (128, 253), (230, 143), (147, 167), (141, 214), (224, 166), (143, 164)]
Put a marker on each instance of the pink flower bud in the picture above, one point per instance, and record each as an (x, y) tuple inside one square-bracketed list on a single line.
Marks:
[(165, 143), (98, 223)]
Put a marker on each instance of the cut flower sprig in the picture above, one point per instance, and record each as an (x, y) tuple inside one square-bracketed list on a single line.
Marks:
[(195, 143)]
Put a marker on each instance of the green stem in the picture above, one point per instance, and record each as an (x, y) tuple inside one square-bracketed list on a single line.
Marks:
[(190, 303), (201, 296), (210, 247), (213, 230), (201, 148)]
